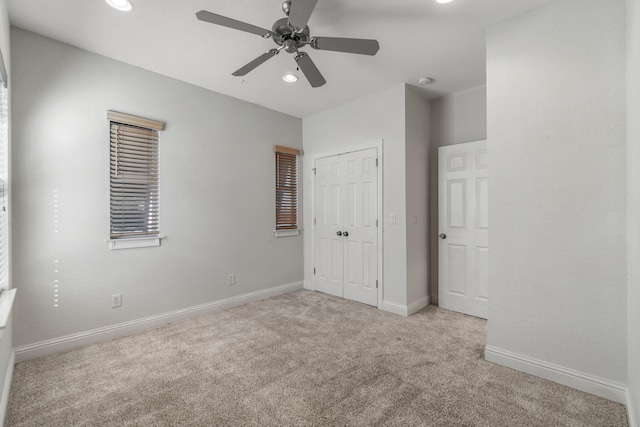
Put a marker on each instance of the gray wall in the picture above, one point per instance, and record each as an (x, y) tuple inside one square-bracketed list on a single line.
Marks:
[(456, 118), (557, 150), (217, 193), (633, 162)]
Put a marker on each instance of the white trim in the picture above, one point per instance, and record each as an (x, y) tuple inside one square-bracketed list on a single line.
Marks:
[(395, 308), (286, 233), (579, 380), (404, 310), (378, 145), (6, 388), (418, 305), (308, 285), (55, 345), (631, 411), (134, 242)]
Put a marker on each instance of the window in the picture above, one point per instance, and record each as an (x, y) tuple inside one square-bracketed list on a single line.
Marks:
[(134, 183), (286, 191)]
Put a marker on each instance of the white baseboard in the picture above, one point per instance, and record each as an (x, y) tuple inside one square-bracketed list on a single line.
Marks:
[(404, 310), (67, 342), (308, 286), (394, 308), (418, 305), (631, 411), (6, 388), (588, 383)]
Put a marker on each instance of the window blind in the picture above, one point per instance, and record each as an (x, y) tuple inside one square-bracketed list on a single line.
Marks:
[(134, 180), (286, 188)]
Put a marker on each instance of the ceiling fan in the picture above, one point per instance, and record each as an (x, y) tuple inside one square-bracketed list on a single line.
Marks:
[(291, 34)]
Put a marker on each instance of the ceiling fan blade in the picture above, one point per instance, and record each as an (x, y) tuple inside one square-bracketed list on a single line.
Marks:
[(213, 18), (256, 62), (310, 70), (300, 12), (338, 44)]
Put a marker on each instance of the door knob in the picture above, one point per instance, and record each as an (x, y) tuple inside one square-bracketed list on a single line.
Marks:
[(339, 233), (443, 236), (345, 234)]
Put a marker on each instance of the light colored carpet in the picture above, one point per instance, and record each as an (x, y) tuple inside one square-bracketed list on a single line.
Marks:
[(301, 359)]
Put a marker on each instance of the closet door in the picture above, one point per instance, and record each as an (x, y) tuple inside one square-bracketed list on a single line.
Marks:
[(346, 237), (329, 245), (360, 233)]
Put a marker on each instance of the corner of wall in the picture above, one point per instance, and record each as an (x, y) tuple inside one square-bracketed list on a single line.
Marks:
[(6, 388), (455, 118), (633, 213), (417, 130), (7, 362)]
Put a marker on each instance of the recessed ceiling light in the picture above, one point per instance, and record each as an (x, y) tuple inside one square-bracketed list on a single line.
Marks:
[(124, 5), (425, 81), (290, 78), (443, 1)]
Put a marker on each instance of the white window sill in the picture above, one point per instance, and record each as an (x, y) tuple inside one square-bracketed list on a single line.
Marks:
[(286, 233), (134, 242)]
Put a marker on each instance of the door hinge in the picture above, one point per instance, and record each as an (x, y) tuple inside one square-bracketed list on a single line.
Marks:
[(376, 283), (314, 270), (376, 223), (314, 221), (314, 171), (376, 162)]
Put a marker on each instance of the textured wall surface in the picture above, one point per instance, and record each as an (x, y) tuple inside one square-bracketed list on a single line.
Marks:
[(557, 152), (216, 198), (417, 119), (633, 143)]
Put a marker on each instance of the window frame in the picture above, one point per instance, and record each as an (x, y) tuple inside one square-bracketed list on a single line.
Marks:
[(286, 151), (120, 241)]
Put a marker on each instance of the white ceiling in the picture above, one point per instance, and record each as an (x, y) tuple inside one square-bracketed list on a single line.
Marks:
[(417, 38)]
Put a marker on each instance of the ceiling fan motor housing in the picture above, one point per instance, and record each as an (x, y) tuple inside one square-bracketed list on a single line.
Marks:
[(285, 36)]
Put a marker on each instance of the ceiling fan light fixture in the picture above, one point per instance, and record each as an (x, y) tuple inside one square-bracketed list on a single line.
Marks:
[(123, 5), (290, 78)]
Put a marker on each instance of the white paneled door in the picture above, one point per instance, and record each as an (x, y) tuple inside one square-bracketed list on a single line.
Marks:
[(346, 235), (463, 228)]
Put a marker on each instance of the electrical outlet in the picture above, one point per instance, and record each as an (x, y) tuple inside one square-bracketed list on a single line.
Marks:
[(231, 280), (116, 300)]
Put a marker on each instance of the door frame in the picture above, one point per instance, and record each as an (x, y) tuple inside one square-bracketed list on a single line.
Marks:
[(314, 157)]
